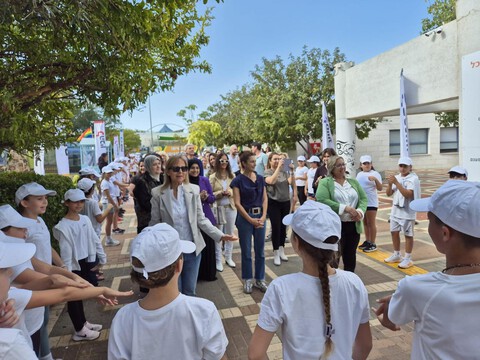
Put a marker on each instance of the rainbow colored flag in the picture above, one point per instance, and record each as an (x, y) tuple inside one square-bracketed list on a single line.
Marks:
[(86, 134)]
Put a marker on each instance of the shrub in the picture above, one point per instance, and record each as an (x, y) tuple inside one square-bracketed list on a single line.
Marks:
[(11, 181)]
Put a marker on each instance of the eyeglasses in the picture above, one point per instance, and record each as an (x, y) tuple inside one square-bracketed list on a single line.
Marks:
[(223, 161), (340, 165), (179, 168)]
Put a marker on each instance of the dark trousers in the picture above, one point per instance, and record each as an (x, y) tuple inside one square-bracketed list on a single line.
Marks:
[(75, 308), (301, 194), (277, 210), (348, 246)]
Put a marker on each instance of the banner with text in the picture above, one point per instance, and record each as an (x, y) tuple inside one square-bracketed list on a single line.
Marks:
[(116, 148), (404, 142), (61, 157), (100, 138), (39, 162), (327, 138), (121, 145)]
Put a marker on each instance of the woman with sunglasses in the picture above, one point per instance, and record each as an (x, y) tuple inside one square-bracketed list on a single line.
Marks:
[(346, 197), (226, 211), (178, 203)]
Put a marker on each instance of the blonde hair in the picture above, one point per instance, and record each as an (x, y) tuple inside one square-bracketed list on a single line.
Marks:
[(170, 163), (331, 163)]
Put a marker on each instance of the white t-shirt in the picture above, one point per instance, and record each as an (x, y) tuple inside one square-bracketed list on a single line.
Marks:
[(293, 303), (115, 189), (369, 186), (445, 309), (400, 205), (91, 209), (299, 172), (233, 160), (107, 185), (187, 328), (345, 195), (14, 345), (31, 320), (310, 177), (39, 235)]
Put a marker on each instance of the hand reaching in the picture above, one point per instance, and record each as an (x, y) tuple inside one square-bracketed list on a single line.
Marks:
[(382, 313)]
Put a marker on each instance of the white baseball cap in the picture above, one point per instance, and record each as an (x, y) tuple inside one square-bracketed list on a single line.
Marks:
[(365, 159), (315, 222), (74, 195), (85, 184), (32, 189), (313, 159), (115, 165), (89, 171), (459, 170), (157, 247), (107, 170), (456, 203), (10, 217), (13, 254), (404, 161), (301, 158)]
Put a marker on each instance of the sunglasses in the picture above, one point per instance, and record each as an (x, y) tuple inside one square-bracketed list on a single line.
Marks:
[(179, 168), (223, 161)]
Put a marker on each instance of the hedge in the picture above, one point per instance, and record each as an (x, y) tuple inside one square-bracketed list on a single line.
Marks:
[(11, 181)]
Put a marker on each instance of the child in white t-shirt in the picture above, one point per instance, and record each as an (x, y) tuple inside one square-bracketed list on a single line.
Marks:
[(79, 247), (165, 323), (91, 208), (108, 197), (321, 312), (371, 181), (443, 305), (405, 187)]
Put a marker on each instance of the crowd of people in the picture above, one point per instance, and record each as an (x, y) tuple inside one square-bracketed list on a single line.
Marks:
[(188, 208)]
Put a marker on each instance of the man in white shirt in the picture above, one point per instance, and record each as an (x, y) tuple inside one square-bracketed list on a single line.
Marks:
[(165, 323), (233, 159), (443, 305)]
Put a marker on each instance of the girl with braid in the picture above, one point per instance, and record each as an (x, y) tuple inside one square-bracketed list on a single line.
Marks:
[(322, 312)]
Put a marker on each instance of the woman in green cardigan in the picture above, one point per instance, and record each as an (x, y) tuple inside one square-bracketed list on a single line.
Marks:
[(347, 198)]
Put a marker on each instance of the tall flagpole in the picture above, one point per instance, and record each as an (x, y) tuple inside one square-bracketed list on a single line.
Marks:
[(404, 141), (327, 138)]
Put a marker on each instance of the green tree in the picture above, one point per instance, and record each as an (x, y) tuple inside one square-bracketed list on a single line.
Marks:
[(131, 139), (110, 53), (83, 118), (203, 132), (441, 12), (188, 114)]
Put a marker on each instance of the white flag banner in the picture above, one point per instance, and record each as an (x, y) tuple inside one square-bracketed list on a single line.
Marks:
[(61, 156), (39, 162), (100, 138), (116, 149), (404, 142), (121, 145), (327, 138)]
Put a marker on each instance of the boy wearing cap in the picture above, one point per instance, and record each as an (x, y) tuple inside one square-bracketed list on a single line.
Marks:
[(322, 312), (444, 305), (301, 179), (458, 173), (405, 187), (165, 322)]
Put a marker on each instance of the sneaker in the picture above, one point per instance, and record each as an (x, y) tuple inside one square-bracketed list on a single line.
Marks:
[(364, 245), (94, 327), (393, 259), (230, 262), (406, 263), (260, 284), (118, 231), (247, 287), (112, 242), (85, 334), (370, 248), (219, 266)]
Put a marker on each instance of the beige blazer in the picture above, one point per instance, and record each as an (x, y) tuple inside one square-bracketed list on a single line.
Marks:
[(217, 188), (162, 212)]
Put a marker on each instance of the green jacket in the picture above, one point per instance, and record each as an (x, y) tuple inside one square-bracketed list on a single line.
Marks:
[(326, 189)]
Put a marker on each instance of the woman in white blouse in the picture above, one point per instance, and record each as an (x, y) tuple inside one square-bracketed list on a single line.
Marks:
[(178, 204)]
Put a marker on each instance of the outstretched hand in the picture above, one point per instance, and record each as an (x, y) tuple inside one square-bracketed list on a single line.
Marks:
[(228, 237), (382, 313), (60, 281), (109, 296)]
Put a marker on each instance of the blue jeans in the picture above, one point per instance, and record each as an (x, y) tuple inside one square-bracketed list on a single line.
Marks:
[(187, 282), (245, 232)]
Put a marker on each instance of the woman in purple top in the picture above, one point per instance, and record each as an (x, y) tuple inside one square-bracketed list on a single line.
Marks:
[(208, 269)]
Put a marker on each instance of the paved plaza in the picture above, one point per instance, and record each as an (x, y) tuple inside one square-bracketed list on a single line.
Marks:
[(239, 311)]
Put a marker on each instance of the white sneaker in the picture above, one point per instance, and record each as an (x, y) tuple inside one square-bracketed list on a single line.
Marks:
[(281, 253), (406, 263), (112, 242), (85, 334), (393, 259), (230, 262), (276, 258), (219, 266), (94, 327)]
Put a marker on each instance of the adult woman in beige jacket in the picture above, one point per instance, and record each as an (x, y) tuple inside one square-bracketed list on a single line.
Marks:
[(178, 204), (225, 207)]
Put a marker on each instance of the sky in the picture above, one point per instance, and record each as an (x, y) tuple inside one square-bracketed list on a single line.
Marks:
[(245, 31)]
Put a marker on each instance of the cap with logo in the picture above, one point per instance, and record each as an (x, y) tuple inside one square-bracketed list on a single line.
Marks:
[(315, 222), (10, 217), (157, 247), (32, 189), (456, 203)]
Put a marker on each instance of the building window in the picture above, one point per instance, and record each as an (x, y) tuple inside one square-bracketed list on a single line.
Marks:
[(448, 139), (418, 139)]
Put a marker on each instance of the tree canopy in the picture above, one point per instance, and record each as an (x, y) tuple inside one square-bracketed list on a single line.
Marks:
[(131, 139), (110, 53), (441, 12)]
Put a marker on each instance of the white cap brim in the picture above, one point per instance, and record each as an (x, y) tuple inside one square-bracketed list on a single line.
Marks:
[(420, 205), (13, 254), (187, 247), (287, 220)]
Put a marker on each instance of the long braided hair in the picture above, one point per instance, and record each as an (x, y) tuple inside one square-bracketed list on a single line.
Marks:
[(322, 258)]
